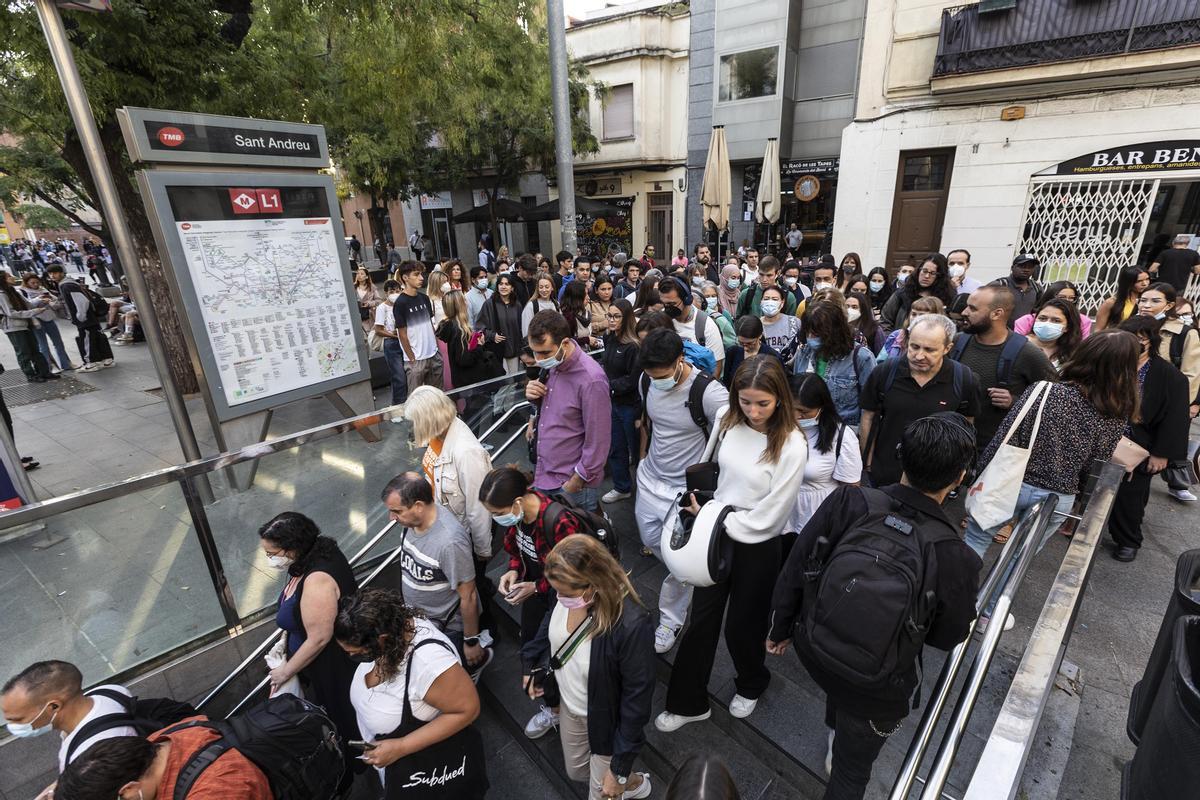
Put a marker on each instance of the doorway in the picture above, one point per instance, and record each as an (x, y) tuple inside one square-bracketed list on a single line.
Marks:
[(919, 205), (661, 205)]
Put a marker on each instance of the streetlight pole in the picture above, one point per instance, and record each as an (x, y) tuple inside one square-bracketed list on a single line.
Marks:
[(114, 216), (563, 152)]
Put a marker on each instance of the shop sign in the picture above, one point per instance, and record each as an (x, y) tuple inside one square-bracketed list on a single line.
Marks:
[(600, 187), (803, 166), (480, 196), (154, 135), (1165, 156), (435, 200)]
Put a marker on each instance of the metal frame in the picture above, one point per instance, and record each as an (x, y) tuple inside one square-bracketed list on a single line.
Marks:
[(998, 773)]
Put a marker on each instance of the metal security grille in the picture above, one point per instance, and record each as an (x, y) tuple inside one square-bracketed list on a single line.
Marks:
[(1085, 231), (20, 392)]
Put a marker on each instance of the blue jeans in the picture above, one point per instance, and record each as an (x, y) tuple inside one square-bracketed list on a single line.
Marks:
[(587, 498), (624, 447), (49, 331), (394, 354)]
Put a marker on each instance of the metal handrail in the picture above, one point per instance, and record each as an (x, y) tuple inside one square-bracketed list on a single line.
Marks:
[(950, 669), (269, 642), (1043, 513), (1008, 747)]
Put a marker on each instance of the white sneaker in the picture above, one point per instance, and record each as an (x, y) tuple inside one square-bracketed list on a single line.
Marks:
[(91, 366), (664, 638), (669, 723), (1182, 495), (541, 723), (613, 496), (829, 756), (643, 789), (742, 707), (108, 362), (477, 670)]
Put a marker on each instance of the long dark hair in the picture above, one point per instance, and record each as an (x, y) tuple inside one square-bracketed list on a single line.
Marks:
[(1126, 280), (886, 291), (1104, 369), (866, 324), (1051, 292), (627, 330), (502, 486), (597, 282), (647, 294), (15, 298), (512, 295), (1072, 335), (828, 321), (380, 622), (295, 533), (702, 777), (941, 287), (810, 390), (842, 277), (766, 374)]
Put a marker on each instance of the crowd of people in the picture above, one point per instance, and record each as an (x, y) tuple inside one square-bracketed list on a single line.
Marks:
[(811, 421)]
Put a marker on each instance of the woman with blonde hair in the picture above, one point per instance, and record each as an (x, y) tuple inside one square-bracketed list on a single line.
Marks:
[(897, 341), (595, 650), (468, 364), (542, 300), (762, 454)]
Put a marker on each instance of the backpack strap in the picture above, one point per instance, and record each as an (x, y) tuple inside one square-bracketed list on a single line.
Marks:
[(201, 760), (1008, 357), (960, 346), (105, 722), (1178, 340), (701, 321), (695, 401), (837, 450)]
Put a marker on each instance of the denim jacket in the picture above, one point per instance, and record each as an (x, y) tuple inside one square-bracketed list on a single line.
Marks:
[(846, 378)]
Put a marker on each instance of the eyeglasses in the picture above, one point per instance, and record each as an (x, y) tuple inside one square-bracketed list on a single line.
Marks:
[(930, 272), (613, 316)]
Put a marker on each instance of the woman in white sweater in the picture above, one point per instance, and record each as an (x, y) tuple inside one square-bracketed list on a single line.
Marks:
[(762, 455)]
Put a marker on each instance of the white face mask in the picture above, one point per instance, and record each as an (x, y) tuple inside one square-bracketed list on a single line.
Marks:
[(770, 307), (876, 286), (481, 283), (392, 298), (1186, 319), (280, 562), (853, 314), (789, 281), (957, 270), (822, 285)]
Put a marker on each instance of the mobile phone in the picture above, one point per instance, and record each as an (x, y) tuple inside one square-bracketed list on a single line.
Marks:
[(360, 745), (512, 593)]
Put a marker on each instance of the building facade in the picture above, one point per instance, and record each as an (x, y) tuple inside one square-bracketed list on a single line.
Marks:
[(784, 69), (1055, 127)]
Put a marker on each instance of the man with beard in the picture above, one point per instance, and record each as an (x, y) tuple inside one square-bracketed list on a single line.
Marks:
[(703, 257), (1006, 363)]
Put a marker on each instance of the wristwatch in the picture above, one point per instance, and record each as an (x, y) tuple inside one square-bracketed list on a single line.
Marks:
[(622, 779), (471, 640)]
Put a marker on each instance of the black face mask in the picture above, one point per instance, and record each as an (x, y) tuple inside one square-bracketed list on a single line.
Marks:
[(674, 312)]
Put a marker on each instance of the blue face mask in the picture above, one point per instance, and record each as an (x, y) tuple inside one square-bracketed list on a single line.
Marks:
[(1047, 331), (1161, 315), (733, 283), (506, 520), (806, 424), (665, 384), (551, 362), (25, 730), (813, 342), (711, 303)]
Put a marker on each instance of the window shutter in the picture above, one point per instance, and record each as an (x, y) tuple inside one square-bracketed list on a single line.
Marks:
[(618, 113)]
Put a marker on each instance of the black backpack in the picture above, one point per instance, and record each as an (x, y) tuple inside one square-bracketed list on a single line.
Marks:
[(143, 715), (868, 599), (291, 740), (593, 523), (694, 403)]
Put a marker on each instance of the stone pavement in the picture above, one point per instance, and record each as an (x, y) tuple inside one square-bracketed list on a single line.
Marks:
[(125, 580)]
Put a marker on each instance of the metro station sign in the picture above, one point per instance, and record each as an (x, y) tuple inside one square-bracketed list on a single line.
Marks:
[(1168, 156), (177, 137)]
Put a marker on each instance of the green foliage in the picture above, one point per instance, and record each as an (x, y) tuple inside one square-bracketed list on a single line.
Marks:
[(40, 218)]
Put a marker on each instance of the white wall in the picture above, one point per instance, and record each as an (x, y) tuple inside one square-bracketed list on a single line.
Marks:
[(993, 163)]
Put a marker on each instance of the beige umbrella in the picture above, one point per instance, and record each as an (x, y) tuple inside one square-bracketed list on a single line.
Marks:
[(715, 193), (766, 204)]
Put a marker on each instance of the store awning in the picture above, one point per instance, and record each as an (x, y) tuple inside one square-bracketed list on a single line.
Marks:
[(767, 205), (506, 211), (583, 205), (715, 192)]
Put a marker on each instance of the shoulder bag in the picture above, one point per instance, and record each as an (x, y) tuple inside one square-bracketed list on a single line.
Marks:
[(992, 500)]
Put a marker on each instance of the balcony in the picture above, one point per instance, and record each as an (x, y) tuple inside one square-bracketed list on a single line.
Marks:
[(974, 38)]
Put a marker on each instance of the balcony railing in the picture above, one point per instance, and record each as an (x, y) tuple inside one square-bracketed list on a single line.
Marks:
[(1046, 31)]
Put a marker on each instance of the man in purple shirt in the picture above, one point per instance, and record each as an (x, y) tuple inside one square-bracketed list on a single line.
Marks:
[(574, 423)]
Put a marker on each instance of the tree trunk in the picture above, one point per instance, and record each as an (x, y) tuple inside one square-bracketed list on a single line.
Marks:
[(179, 360)]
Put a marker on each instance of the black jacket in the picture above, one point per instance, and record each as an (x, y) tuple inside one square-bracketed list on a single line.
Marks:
[(524, 288), (505, 318), (1163, 429), (620, 684), (467, 366), (623, 368), (734, 356), (956, 587)]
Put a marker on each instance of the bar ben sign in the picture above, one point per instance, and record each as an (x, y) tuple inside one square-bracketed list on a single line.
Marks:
[(1147, 157)]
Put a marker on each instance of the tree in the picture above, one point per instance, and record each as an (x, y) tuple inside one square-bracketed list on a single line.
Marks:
[(190, 55), (41, 217)]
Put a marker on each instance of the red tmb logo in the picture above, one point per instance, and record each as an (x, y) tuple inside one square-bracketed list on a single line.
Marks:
[(244, 201), (170, 136)]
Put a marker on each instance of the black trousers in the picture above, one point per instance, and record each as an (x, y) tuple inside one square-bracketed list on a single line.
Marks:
[(29, 357), (747, 593), (857, 742), (93, 344), (1129, 508)]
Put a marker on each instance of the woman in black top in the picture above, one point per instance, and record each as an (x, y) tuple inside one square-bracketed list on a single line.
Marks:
[(620, 363), (469, 361), (879, 284), (573, 306), (1161, 426), (500, 321), (319, 576), (932, 279)]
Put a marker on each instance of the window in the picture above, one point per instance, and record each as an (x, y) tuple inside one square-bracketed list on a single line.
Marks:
[(753, 73), (618, 113), (925, 173)]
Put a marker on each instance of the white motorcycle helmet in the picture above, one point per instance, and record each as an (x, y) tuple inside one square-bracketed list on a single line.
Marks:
[(697, 550)]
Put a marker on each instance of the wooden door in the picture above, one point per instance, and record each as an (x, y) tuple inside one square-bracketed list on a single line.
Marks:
[(660, 205), (919, 205)]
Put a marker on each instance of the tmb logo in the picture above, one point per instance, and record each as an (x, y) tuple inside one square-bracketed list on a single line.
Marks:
[(255, 201), (170, 136)]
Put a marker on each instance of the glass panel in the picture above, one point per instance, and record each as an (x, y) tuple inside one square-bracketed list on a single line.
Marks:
[(925, 173), (749, 74), (105, 587)]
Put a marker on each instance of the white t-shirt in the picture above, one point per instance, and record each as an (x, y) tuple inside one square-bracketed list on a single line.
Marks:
[(380, 709), (823, 472), (712, 334), (101, 706), (761, 493), (384, 317), (572, 679), (782, 332)]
